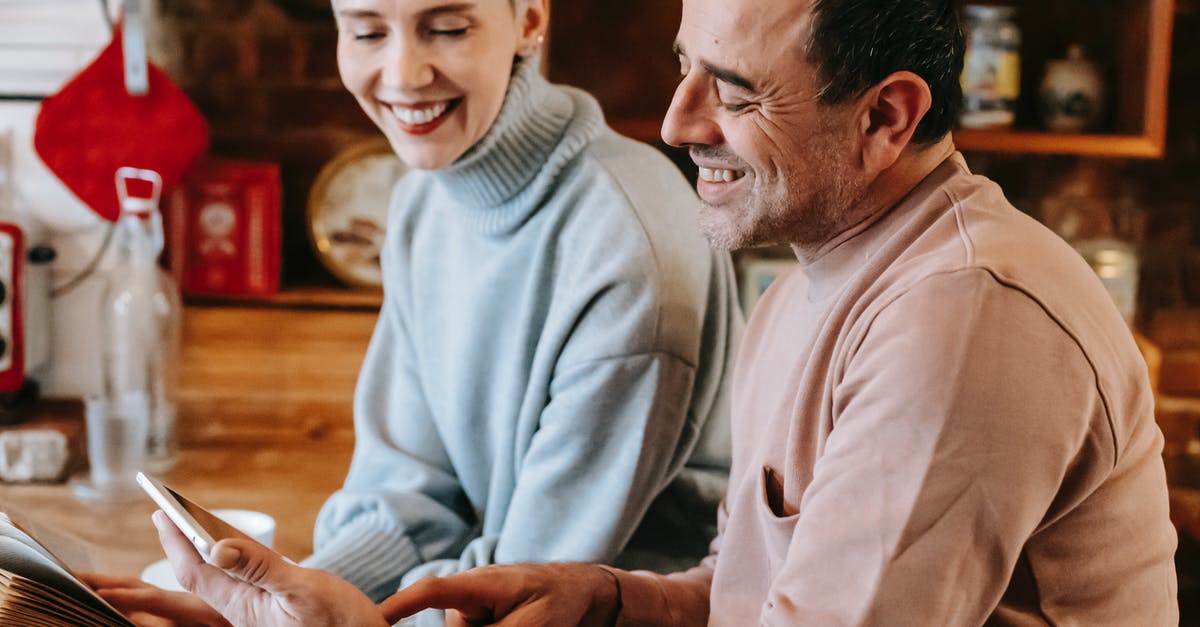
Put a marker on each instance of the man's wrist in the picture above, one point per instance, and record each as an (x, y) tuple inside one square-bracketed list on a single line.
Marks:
[(608, 602)]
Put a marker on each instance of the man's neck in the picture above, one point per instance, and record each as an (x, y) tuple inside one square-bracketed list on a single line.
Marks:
[(890, 187)]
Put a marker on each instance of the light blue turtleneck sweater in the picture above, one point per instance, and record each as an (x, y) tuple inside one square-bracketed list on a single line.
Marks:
[(547, 374)]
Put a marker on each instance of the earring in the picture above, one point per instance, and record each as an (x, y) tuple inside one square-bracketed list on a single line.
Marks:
[(532, 49)]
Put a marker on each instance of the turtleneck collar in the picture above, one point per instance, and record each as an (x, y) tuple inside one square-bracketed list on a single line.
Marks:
[(494, 179)]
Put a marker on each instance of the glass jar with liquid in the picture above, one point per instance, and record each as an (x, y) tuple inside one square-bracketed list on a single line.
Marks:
[(991, 79)]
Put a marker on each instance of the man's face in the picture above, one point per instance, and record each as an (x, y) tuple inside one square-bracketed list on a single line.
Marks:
[(775, 167), (432, 74)]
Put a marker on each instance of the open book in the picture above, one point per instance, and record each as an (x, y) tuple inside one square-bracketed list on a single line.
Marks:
[(38, 590)]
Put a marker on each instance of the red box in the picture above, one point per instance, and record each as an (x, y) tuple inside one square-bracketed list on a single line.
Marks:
[(223, 225)]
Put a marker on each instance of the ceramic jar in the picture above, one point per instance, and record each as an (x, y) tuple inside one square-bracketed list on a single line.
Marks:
[(1072, 94)]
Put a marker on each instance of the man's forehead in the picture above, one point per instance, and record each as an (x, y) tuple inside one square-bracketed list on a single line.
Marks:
[(746, 24)]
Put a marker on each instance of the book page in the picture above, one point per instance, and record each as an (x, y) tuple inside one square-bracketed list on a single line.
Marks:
[(24, 557)]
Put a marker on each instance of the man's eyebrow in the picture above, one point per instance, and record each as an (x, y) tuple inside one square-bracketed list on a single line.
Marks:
[(722, 74)]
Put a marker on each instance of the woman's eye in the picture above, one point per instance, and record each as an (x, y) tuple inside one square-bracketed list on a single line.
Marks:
[(367, 36), (448, 32)]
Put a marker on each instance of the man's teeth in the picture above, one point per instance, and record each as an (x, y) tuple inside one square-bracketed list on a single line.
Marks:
[(417, 117), (719, 176)]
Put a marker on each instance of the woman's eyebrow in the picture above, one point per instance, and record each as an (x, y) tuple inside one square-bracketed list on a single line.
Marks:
[(454, 7), (449, 8)]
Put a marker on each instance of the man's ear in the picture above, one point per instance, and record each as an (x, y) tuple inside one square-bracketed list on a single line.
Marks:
[(889, 113)]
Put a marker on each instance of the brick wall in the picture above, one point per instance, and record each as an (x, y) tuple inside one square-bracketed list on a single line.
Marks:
[(264, 74)]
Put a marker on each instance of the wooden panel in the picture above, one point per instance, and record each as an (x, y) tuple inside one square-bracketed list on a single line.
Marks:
[(262, 376), (620, 51)]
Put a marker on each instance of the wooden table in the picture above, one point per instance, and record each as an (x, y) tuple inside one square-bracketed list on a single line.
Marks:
[(265, 423)]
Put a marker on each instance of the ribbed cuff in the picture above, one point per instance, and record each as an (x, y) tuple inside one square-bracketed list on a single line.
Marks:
[(372, 559)]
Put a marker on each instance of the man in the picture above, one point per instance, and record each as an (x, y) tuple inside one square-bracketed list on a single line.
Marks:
[(939, 419)]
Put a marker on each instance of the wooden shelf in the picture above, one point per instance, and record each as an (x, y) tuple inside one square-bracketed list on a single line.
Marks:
[(1093, 145), (303, 297)]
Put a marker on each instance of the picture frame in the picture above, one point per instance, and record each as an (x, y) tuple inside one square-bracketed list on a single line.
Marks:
[(347, 211), (757, 274)]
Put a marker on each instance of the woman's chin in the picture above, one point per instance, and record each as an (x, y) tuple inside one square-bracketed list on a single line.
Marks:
[(425, 159)]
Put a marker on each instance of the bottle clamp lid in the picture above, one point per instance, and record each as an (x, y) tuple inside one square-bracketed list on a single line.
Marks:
[(138, 204)]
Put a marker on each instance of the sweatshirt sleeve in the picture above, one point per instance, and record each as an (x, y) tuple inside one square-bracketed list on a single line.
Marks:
[(401, 503), (956, 421)]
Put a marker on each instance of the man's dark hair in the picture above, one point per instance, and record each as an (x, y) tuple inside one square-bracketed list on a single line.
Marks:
[(857, 43)]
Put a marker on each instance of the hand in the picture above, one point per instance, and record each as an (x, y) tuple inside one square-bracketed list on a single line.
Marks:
[(148, 606), (528, 595), (251, 585)]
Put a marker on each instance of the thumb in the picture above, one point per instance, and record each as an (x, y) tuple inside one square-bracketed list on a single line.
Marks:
[(253, 563)]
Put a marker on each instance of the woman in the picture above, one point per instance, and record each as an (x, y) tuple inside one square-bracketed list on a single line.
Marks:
[(545, 380)]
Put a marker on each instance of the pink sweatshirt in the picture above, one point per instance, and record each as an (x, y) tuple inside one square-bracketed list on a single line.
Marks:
[(942, 420)]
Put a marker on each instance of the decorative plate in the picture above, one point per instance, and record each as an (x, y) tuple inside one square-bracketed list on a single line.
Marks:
[(347, 210)]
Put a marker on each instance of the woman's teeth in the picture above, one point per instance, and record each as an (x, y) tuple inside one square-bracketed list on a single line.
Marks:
[(720, 176), (417, 117)]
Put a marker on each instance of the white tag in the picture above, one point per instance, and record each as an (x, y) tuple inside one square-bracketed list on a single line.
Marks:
[(133, 44)]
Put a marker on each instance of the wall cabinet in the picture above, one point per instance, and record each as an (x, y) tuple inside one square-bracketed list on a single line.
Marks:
[(1131, 39)]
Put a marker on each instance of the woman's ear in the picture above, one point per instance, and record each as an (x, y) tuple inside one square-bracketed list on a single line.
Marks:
[(533, 17), (890, 112)]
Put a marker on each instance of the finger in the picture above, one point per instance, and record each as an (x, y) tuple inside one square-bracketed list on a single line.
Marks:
[(458, 592), (454, 619), (97, 581), (255, 564), (142, 619), (176, 605), (178, 548), (208, 582)]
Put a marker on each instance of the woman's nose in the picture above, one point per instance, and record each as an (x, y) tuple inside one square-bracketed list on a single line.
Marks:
[(406, 66), (689, 121)]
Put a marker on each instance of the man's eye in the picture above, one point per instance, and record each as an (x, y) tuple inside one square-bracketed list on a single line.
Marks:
[(448, 32), (735, 107), (367, 36)]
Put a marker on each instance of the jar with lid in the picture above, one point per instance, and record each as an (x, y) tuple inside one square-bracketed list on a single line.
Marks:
[(1071, 97), (991, 79)]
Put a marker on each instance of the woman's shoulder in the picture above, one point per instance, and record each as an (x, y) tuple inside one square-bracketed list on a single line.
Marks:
[(644, 178)]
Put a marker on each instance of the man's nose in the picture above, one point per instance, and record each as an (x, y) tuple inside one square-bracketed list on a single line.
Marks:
[(407, 66), (689, 121)]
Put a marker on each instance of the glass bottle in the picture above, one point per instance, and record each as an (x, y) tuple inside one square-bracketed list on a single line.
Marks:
[(991, 78), (141, 314)]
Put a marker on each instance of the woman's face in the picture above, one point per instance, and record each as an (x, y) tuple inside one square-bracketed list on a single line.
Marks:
[(432, 74)]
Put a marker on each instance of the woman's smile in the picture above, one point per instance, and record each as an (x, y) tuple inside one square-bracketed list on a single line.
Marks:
[(422, 118)]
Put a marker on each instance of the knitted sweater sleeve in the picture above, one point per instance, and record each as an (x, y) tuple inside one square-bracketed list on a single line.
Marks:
[(401, 503), (608, 441)]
